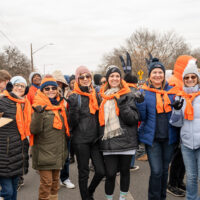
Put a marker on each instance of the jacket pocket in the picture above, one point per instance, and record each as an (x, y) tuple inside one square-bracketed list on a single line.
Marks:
[(47, 154)]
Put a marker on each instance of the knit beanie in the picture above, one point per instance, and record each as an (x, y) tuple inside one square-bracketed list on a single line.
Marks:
[(180, 65), (81, 70), (59, 77), (155, 64), (191, 68), (18, 79), (71, 78), (32, 74), (111, 69), (48, 81)]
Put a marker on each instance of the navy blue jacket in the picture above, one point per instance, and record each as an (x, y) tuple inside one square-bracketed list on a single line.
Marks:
[(147, 111)]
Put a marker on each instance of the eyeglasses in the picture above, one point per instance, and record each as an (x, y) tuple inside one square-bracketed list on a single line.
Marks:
[(83, 77), (19, 86), (190, 77), (50, 88)]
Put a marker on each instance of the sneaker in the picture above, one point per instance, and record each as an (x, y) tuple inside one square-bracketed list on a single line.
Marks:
[(182, 187), (67, 183), (20, 183), (134, 168), (175, 191), (143, 158)]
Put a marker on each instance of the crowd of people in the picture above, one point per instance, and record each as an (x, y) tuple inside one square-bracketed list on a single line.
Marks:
[(60, 118)]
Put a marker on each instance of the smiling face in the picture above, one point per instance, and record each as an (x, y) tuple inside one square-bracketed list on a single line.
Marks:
[(190, 80), (114, 80), (36, 79), (157, 77), (50, 91), (85, 79), (19, 89)]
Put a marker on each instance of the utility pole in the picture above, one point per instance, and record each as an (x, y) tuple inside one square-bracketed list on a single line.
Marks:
[(31, 58)]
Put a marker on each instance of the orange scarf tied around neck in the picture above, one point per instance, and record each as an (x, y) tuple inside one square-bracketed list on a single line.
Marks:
[(134, 85), (189, 110), (23, 116), (93, 104), (42, 100), (162, 102), (105, 97)]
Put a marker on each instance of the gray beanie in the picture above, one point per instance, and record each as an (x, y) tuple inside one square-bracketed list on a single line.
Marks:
[(191, 69), (18, 79)]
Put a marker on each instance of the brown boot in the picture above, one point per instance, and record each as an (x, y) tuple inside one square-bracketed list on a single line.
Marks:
[(53, 197), (143, 158)]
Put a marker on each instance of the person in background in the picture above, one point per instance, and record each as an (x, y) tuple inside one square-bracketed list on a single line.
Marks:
[(64, 174), (4, 79), (13, 138), (155, 130), (97, 84), (49, 128), (118, 118), (176, 185), (186, 114), (102, 80), (83, 120), (35, 79)]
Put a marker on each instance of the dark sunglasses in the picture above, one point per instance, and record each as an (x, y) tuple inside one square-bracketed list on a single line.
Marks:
[(190, 77), (50, 88), (83, 77)]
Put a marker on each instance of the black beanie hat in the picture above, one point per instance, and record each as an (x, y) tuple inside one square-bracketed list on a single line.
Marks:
[(111, 69), (97, 78), (72, 77), (155, 64)]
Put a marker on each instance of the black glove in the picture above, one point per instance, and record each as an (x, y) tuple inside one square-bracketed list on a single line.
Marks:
[(177, 104), (139, 97), (121, 101), (39, 109)]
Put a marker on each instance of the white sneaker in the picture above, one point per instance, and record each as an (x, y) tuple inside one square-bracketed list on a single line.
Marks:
[(67, 183)]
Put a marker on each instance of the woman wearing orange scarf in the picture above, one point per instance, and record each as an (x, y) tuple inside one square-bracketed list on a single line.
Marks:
[(155, 131), (49, 128), (186, 114), (83, 120), (15, 107), (118, 117)]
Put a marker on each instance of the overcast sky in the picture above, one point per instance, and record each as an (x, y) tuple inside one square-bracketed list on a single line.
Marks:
[(82, 31)]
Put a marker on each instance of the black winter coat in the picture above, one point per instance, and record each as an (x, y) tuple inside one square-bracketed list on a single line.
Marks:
[(83, 125), (13, 151), (128, 118)]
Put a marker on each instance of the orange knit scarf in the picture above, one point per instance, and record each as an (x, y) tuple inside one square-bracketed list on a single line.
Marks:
[(42, 100), (189, 110), (23, 116), (134, 85), (105, 97), (93, 104), (162, 102)]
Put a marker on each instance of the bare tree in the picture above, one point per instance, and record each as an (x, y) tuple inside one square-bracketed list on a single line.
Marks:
[(167, 47), (15, 62)]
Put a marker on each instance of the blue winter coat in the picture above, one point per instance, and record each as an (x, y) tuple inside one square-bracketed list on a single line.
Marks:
[(147, 111)]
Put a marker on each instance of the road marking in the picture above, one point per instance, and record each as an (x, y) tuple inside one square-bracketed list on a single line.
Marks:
[(129, 196)]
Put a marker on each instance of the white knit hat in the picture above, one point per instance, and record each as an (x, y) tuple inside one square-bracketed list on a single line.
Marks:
[(18, 79), (32, 74), (191, 68)]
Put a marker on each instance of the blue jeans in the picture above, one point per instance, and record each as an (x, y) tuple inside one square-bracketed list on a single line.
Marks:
[(133, 161), (191, 158), (9, 187), (159, 156)]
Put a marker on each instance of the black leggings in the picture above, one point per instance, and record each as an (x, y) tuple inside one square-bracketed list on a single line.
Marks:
[(83, 153), (113, 164)]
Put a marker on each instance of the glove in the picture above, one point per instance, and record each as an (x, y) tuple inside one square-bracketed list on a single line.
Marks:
[(177, 104), (121, 101), (139, 97), (39, 109)]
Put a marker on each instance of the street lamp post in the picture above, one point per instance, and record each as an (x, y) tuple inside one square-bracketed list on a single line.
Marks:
[(32, 52)]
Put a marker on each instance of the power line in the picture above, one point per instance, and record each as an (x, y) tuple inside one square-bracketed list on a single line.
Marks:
[(7, 38)]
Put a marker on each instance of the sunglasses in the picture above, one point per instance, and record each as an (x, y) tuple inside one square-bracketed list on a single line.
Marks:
[(50, 88), (190, 77), (83, 77)]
